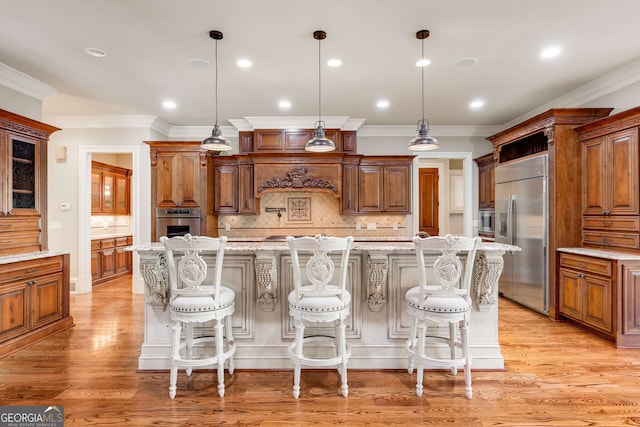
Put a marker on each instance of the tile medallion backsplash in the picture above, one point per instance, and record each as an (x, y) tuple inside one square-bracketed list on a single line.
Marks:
[(308, 213)]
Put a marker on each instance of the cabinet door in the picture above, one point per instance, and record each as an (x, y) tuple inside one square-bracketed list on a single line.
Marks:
[(108, 193), (247, 197), (570, 287), (594, 183), (483, 187), (371, 187), (597, 310), (46, 299), (96, 192), (167, 182), (108, 262), (188, 192), (122, 195), (225, 199), (24, 175), (122, 264), (14, 310), (622, 169), (96, 270), (349, 201), (397, 182)]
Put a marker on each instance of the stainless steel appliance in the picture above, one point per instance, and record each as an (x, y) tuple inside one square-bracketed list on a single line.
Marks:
[(522, 220), (486, 222), (173, 222)]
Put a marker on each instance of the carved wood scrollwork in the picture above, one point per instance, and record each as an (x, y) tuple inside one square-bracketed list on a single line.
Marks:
[(297, 178)]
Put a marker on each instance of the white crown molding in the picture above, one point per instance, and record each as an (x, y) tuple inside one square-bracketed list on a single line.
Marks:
[(622, 77), (21, 82), (435, 131), (108, 121), (295, 122), (200, 132)]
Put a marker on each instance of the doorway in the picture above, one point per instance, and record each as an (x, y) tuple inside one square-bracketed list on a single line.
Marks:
[(437, 160), (140, 208), (428, 201)]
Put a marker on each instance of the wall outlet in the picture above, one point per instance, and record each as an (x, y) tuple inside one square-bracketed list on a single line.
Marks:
[(358, 227), (395, 226), (371, 226), (227, 226)]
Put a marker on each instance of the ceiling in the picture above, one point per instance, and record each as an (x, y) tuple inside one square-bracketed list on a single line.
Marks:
[(149, 43)]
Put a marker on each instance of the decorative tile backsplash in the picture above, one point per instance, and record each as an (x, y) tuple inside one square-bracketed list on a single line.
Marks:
[(110, 224), (308, 213)]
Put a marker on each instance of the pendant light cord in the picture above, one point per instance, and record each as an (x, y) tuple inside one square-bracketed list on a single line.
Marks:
[(216, 81), (319, 81), (423, 67)]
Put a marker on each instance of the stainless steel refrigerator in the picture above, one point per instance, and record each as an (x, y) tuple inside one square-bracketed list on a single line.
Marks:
[(522, 220)]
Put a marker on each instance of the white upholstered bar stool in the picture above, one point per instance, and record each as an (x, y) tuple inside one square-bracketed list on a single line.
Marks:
[(319, 296), (193, 302), (445, 273)]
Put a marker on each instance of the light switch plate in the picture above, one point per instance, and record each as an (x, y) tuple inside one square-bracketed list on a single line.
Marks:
[(371, 226)]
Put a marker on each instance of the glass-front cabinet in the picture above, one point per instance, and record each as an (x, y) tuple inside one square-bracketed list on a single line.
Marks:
[(24, 181)]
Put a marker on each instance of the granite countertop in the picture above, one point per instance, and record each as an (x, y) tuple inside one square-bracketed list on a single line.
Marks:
[(599, 253), (8, 259), (384, 244)]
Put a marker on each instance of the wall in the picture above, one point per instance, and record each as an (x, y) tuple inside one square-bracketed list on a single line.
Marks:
[(19, 103)]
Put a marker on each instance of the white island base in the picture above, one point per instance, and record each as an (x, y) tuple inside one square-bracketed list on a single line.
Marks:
[(379, 275)]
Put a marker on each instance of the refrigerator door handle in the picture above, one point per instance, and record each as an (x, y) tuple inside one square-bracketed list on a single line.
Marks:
[(511, 219)]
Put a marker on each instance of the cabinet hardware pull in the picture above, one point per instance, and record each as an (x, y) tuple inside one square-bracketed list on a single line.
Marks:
[(7, 241), (31, 270)]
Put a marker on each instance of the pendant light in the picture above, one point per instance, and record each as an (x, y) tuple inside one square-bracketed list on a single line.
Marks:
[(423, 142), (319, 143), (216, 142)]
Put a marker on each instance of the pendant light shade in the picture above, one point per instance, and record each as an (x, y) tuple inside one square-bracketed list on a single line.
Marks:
[(423, 142), (319, 143), (216, 142)]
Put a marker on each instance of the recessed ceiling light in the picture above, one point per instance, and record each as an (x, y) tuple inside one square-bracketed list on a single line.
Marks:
[(550, 52), (169, 105), (244, 63), (98, 53), (334, 62), (477, 103), (284, 104), (199, 63), (466, 62), (423, 62), (383, 103)]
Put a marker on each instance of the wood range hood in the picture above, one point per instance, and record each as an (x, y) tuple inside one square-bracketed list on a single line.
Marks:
[(297, 172)]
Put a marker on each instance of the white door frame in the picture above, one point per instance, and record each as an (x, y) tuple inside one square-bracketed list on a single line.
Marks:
[(84, 209)]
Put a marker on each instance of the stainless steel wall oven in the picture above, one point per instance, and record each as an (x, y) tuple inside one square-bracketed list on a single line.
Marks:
[(173, 222)]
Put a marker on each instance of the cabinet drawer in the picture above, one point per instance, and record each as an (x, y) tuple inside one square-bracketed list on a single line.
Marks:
[(107, 243), (587, 264), (19, 242), (95, 245), (612, 223), (121, 241), (603, 238), (19, 224), (17, 271)]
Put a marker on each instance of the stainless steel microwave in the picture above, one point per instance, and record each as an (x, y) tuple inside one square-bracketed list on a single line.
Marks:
[(486, 221)]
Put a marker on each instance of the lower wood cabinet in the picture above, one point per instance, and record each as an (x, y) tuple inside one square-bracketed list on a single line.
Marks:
[(109, 259), (601, 294), (34, 300)]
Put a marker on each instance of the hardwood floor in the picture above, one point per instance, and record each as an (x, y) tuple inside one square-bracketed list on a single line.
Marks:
[(555, 375)]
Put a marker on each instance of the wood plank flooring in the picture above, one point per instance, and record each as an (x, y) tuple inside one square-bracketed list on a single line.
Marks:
[(555, 375)]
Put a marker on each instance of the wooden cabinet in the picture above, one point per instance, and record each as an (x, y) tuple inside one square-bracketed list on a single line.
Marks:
[(109, 259), (486, 181), (601, 294), (384, 184), (23, 173), (110, 189), (34, 300), (610, 180), (293, 140), (552, 133), (233, 187), (178, 178)]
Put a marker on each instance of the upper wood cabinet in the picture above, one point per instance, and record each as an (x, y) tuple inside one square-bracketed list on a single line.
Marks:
[(610, 180), (178, 174), (110, 189), (293, 140), (23, 185), (377, 184), (486, 181), (233, 187)]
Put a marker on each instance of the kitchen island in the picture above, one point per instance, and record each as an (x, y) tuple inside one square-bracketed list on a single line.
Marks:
[(380, 272)]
